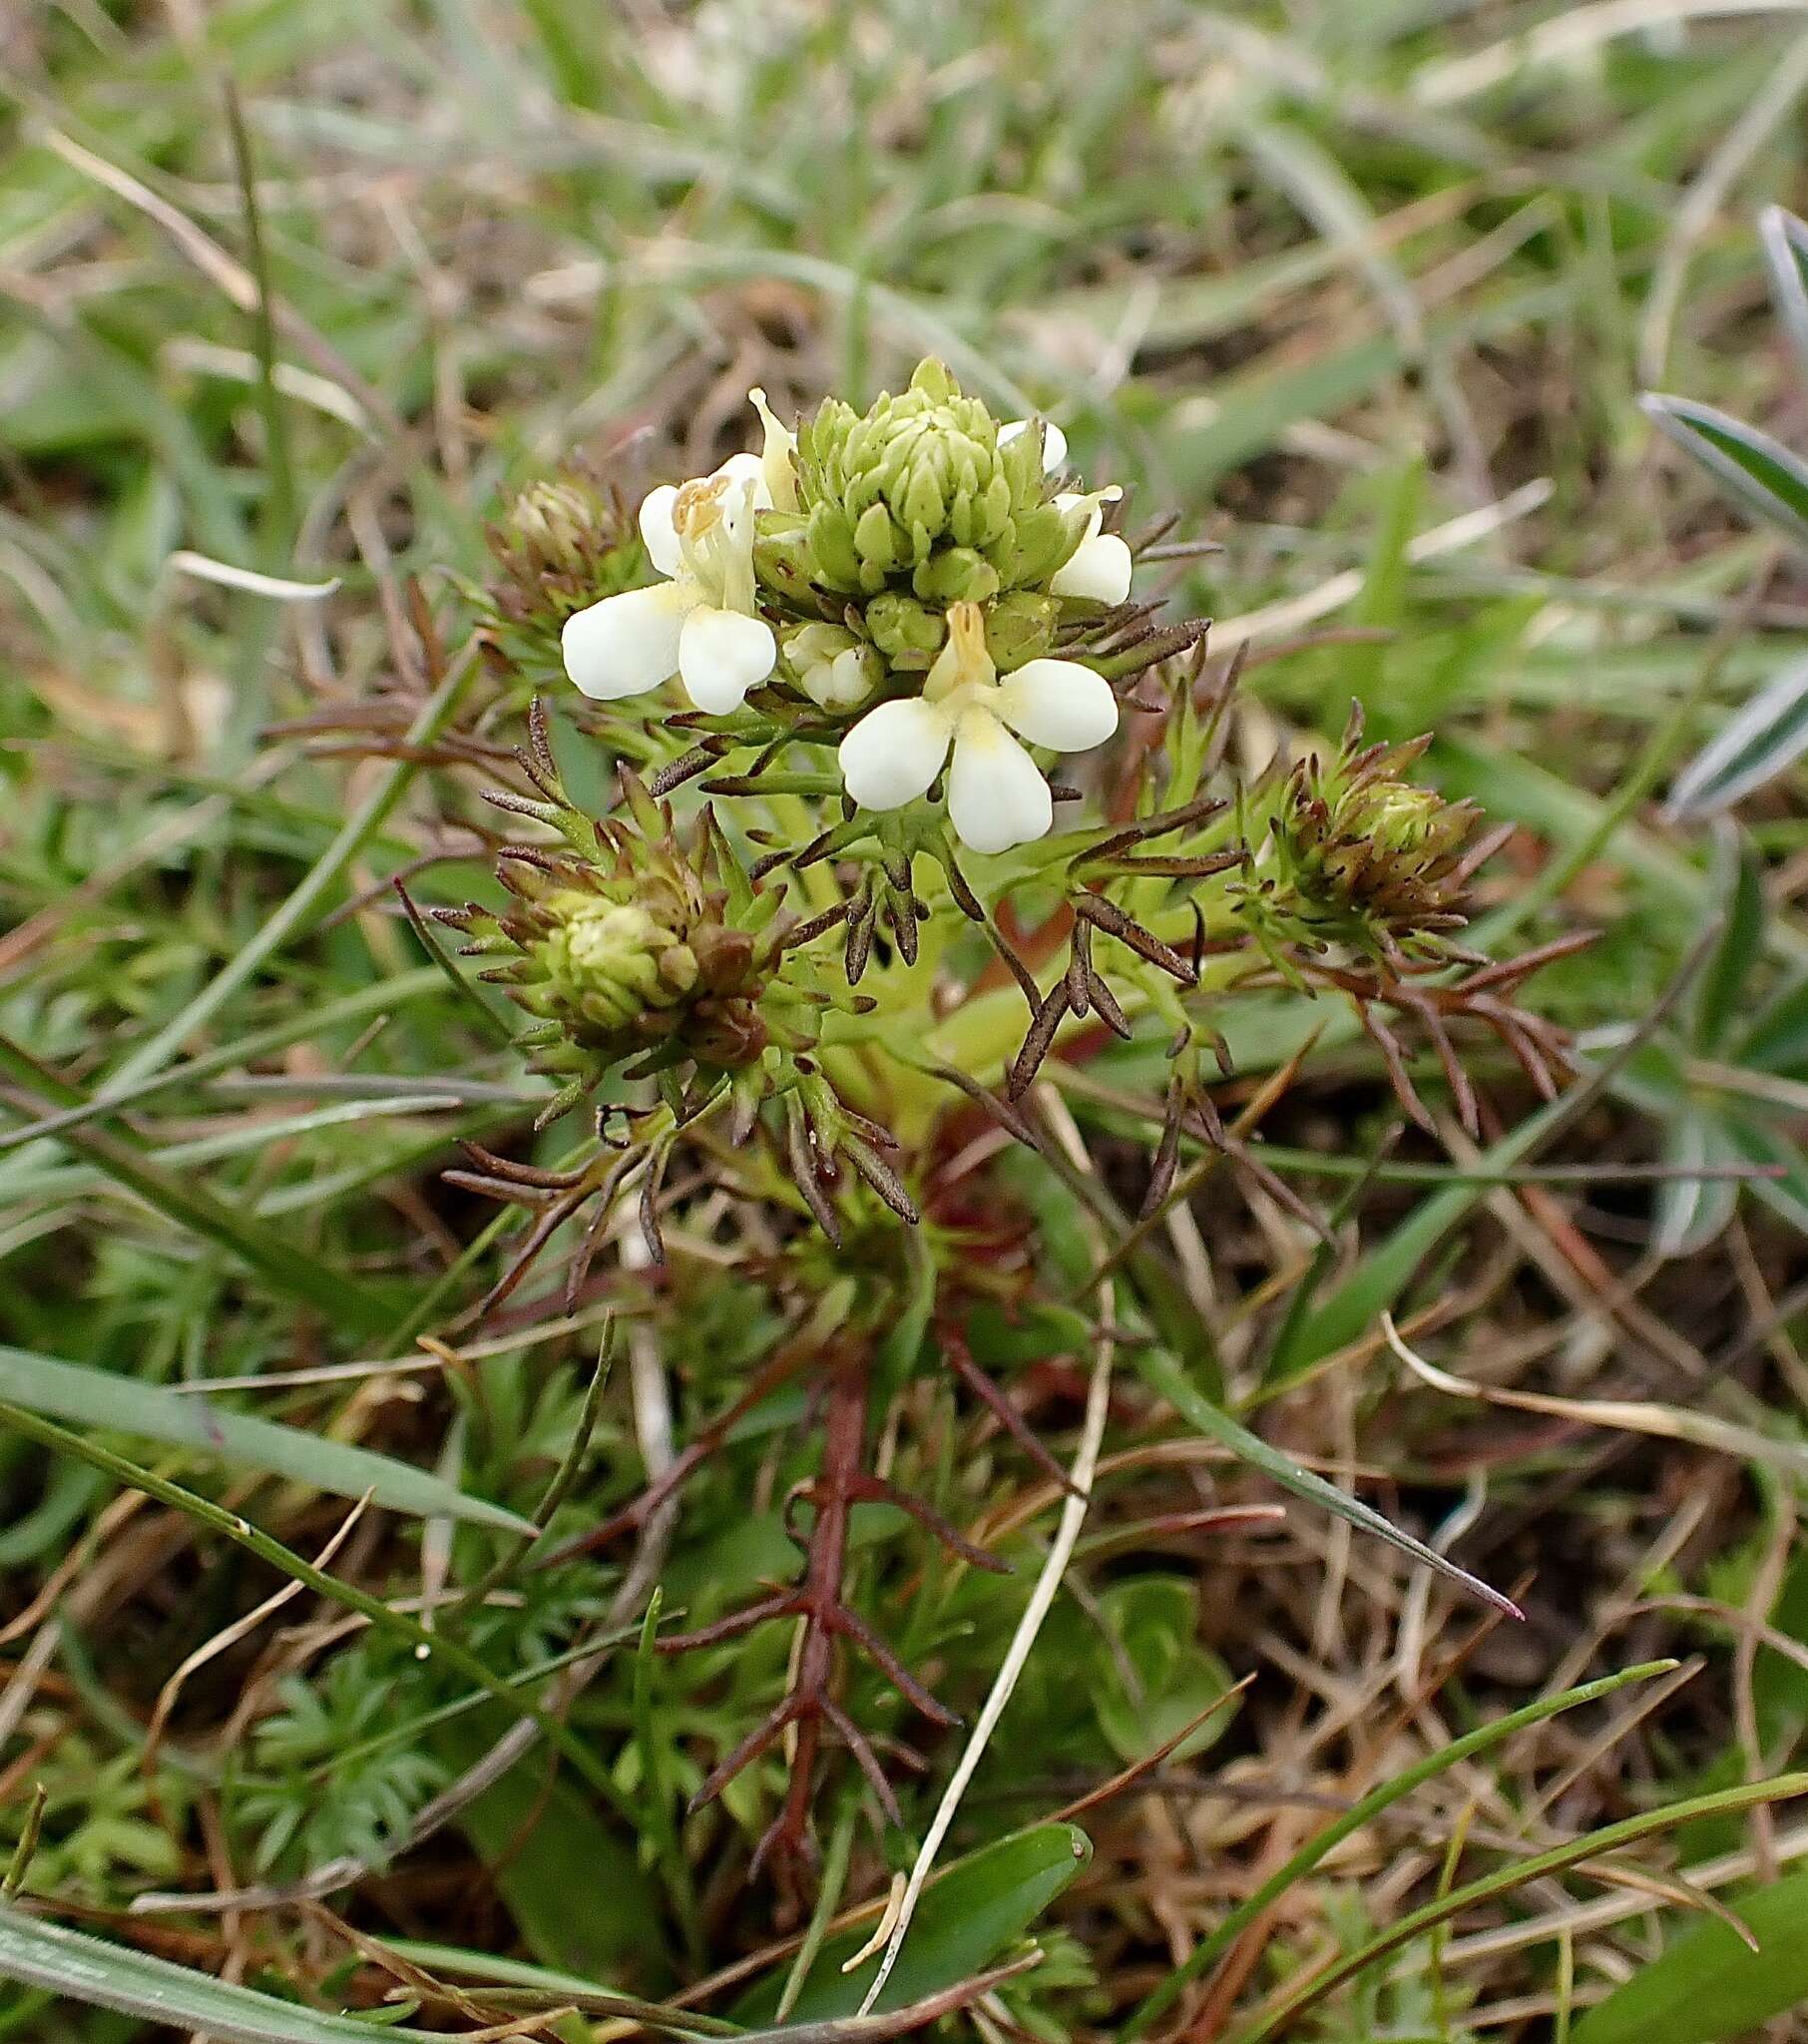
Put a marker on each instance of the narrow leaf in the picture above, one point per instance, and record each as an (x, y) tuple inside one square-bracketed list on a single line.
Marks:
[(1163, 1374), (88, 1969), (1785, 241), (1753, 469), (121, 1404), (1754, 746), (1573, 1853), (1482, 1740), (1721, 992)]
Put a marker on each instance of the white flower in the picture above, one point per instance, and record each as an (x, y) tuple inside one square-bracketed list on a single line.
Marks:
[(833, 668), (701, 622), (776, 457), (1099, 568), (1054, 441), (996, 796)]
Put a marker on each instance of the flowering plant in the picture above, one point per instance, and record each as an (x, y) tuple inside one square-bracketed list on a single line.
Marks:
[(828, 915)]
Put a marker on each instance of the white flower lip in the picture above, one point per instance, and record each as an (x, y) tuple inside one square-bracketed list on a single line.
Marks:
[(702, 623), (1053, 442), (1099, 568), (996, 796)]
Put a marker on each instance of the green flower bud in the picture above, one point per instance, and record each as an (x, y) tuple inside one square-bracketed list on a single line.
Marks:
[(782, 560), (907, 631), (886, 491), (608, 961), (1020, 627), (955, 575)]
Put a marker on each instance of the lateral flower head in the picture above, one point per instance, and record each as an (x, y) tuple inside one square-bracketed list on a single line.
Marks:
[(563, 545), (1355, 853), (628, 940), (702, 622), (997, 795)]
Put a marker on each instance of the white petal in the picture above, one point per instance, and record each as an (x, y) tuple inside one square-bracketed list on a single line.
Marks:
[(1098, 569), (1053, 442), (1058, 703), (721, 654), (852, 678), (775, 458), (996, 796), (657, 530), (894, 752), (748, 468), (626, 644)]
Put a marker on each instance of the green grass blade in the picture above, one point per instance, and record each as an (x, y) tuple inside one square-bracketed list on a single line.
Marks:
[(1785, 239), (121, 1404), (1759, 742), (272, 1550), (74, 1965), (1482, 1740), (1163, 1374), (179, 1197), (78, 1967), (295, 913), (1505, 1878), (1756, 470)]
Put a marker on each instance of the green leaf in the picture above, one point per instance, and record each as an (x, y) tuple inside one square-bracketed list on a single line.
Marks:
[(1175, 1680), (967, 1917), (1777, 1040), (1163, 1374), (120, 1404), (1759, 1142), (567, 1875), (1754, 746), (1720, 991), (1753, 469), (88, 1969), (1709, 1983), (1691, 1211), (1785, 241)]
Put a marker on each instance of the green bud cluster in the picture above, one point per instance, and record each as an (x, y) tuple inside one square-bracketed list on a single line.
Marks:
[(626, 944), (565, 543), (910, 506), (1357, 854)]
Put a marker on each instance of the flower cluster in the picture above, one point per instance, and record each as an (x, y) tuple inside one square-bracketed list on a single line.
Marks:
[(1355, 854), (921, 553), (567, 544), (623, 942)]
